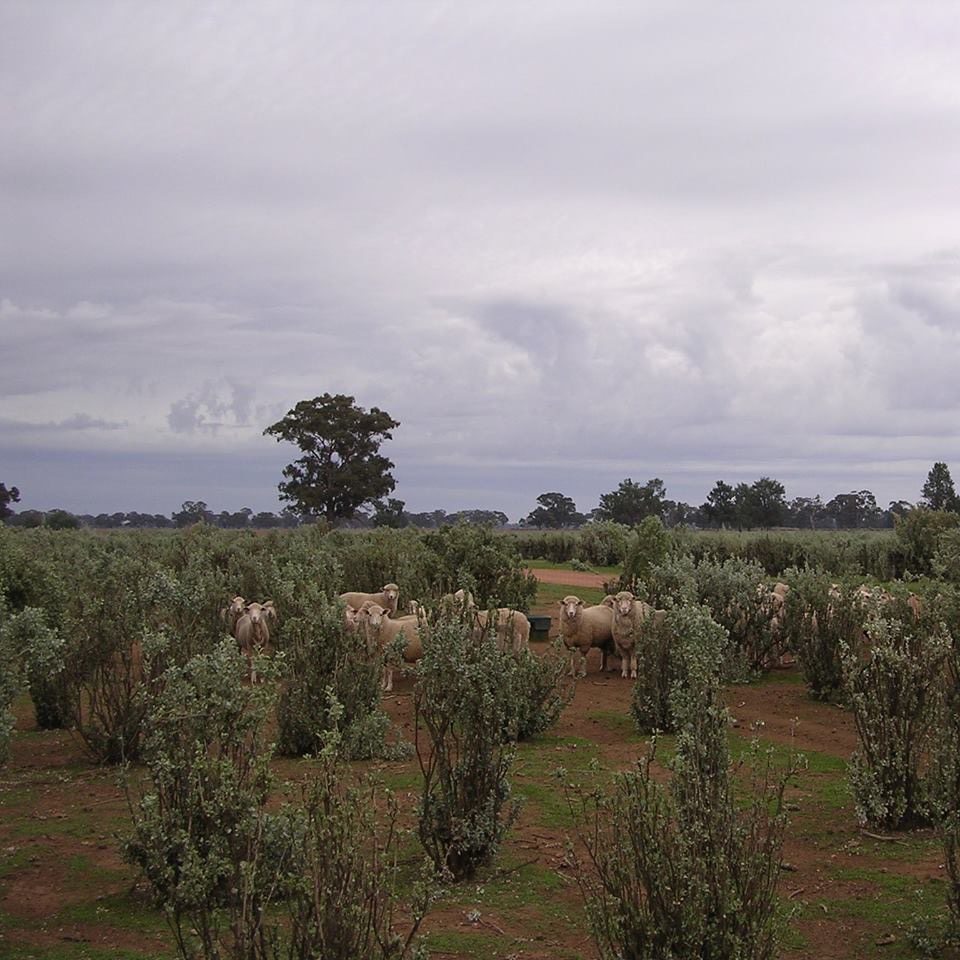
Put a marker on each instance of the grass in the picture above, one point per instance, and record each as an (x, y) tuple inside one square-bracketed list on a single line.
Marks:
[(75, 951), (550, 594), (121, 911), (611, 571)]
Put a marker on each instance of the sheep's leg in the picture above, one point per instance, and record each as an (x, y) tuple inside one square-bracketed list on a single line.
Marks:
[(633, 665), (625, 659)]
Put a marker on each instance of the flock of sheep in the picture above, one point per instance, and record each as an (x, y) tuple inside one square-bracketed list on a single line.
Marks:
[(614, 626), (375, 617)]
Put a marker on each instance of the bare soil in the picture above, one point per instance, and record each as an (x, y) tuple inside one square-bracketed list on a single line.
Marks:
[(65, 892)]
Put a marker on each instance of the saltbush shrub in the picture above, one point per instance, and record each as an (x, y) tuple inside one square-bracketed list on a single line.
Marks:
[(212, 855), (462, 709), (41, 653), (322, 659), (648, 547), (684, 646), (685, 870), (894, 685), (485, 562), (820, 616), (540, 687), (340, 894), (106, 672), (944, 793), (603, 543), (735, 593)]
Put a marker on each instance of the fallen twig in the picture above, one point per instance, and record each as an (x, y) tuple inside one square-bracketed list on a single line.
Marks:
[(877, 836)]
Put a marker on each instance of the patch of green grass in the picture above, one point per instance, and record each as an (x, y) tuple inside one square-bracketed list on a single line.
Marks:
[(81, 867), (889, 904), (118, 910), (510, 884), (16, 859), (550, 594), (780, 678), (617, 722), (400, 780), (534, 775), (76, 951), (481, 946), (609, 571), (76, 825)]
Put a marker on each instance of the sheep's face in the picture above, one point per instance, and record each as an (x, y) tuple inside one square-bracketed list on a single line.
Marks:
[(255, 612), (391, 591), (371, 614), (350, 618), (570, 607), (270, 612), (237, 605), (623, 604)]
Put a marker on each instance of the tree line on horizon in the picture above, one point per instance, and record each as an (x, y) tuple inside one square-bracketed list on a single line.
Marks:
[(342, 478), (762, 504)]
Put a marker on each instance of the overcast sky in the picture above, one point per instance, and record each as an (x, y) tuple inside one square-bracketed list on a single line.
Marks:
[(561, 243)]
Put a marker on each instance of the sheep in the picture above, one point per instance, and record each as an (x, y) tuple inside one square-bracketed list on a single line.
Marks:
[(629, 617), (252, 631), (386, 598), (512, 628), (584, 627), (230, 615), (380, 632), (418, 610), (458, 604)]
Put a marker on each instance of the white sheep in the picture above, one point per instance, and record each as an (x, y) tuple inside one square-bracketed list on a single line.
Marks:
[(386, 598), (629, 617), (512, 628), (584, 627), (230, 615), (380, 631), (252, 630)]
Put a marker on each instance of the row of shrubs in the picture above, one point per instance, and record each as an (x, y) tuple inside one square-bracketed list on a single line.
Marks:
[(916, 547)]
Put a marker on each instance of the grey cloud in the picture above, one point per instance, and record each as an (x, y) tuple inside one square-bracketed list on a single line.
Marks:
[(556, 241), (78, 422), (211, 410)]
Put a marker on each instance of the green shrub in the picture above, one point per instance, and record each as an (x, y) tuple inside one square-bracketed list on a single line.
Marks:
[(603, 543), (213, 856), (894, 685), (540, 687), (648, 547), (944, 792), (41, 652), (340, 897), (820, 616), (462, 708), (557, 546), (685, 646), (324, 660), (484, 562), (10, 676), (735, 593), (685, 871), (919, 532), (946, 558)]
